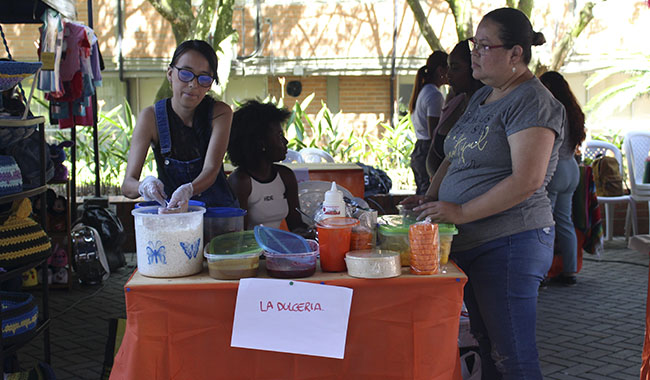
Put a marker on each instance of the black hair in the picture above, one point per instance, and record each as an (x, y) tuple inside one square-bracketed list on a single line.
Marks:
[(465, 52), (250, 125), (515, 29), (426, 74), (559, 87), (201, 47)]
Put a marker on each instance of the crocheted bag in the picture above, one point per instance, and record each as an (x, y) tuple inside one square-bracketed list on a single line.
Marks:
[(22, 240), (19, 317), (12, 72), (10, 179)]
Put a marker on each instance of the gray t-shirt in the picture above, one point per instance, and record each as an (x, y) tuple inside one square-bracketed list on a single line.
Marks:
[(479, 153), (428, 104)]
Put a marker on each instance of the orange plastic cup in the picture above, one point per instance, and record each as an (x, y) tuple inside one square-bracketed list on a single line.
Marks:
[(334, 240)]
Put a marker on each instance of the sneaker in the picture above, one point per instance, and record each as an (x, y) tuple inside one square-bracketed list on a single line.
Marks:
[(570, 280), (544, 283)]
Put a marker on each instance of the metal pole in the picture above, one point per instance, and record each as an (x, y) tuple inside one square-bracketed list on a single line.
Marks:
[(95, 131), (393, 71)]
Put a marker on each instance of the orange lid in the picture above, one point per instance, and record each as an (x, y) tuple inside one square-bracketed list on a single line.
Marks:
[(338, 222)]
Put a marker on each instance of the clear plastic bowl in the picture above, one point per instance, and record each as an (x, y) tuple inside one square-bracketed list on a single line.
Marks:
[(292, 265)]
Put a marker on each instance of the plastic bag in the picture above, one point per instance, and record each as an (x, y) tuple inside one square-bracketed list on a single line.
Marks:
[(473, 373)]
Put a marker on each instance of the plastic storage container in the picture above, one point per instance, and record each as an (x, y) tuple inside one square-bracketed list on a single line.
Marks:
[(373, 263), (168, 245), (233, 255), (334, 238), (220, 220), (446, 232), (292, 265), (394, 236)]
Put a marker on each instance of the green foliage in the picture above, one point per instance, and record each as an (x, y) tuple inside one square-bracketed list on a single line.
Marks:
[(623, 94), (386, 147), (114, 131)]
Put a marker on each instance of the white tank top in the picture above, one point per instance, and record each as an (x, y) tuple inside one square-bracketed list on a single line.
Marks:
[(267, 204)]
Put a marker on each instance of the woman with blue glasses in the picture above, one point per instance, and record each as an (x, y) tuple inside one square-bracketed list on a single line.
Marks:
[(188, 134)]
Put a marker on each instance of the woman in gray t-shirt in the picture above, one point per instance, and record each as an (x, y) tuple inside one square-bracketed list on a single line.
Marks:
[(500, 155)]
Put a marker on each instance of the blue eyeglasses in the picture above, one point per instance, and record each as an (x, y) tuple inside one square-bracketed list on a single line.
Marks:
[(187, 76)]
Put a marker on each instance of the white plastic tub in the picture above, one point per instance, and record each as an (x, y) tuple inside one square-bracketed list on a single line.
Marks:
[(169, 245)]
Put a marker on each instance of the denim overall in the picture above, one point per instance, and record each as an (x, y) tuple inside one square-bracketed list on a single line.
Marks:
[(175, 173)]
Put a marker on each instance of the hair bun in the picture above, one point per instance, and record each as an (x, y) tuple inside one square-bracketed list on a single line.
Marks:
[(538, 39)]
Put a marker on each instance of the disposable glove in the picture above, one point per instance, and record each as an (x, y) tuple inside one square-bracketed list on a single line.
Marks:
[(181, 196), (152, 189)]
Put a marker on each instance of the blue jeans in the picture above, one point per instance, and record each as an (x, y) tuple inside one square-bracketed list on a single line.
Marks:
[(560, 192), (501, 298)]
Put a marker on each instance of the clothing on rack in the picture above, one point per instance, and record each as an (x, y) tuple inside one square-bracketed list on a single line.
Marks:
[(71, 83)]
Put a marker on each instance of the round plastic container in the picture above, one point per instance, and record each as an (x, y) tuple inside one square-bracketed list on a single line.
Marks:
[(220, 220), (154, 203), (168, 245), (394, 236), (446, 233), (292, 265), (233, 255), (334, 239), (373, 263)]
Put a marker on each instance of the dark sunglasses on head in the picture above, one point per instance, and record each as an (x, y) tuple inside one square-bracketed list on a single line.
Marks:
[(187, 76)]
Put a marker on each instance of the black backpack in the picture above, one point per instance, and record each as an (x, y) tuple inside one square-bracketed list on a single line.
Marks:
[(376, 181), (111, 231)]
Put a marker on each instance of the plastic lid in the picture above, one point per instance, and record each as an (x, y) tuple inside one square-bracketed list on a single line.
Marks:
[(447, 229), (224, 212), (381, 254), (234, 243), (279, 241), (394, 224), (338, 222)]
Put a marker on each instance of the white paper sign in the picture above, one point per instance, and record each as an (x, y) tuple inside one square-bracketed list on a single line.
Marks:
[(291, 316)]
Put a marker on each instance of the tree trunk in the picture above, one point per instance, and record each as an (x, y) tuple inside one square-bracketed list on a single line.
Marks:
[(212, 23), (461, 9), (427, 32), (563, 49), (526, 6)]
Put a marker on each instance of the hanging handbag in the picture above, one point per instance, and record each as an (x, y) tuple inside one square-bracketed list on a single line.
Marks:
[(22, 240)]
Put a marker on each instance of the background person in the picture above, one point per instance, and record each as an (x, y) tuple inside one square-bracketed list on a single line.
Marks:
[(188, 133), (566, 177), (463, 86), (425, 105), (502, 153), (268, 191)]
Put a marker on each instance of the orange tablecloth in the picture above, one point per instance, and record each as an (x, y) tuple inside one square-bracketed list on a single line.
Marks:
[(400, 328)]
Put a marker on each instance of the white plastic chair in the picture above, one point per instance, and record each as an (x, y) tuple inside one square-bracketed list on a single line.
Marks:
[(637, 148), (315, 155), (293, 156), (592, 149)]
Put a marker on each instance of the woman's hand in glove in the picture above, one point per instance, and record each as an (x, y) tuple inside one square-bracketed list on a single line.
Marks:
[(181, 196), (152, 189)]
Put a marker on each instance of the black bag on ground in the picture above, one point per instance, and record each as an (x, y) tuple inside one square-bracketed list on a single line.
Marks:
[(607, 176), (111, 231), (376, 181)]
